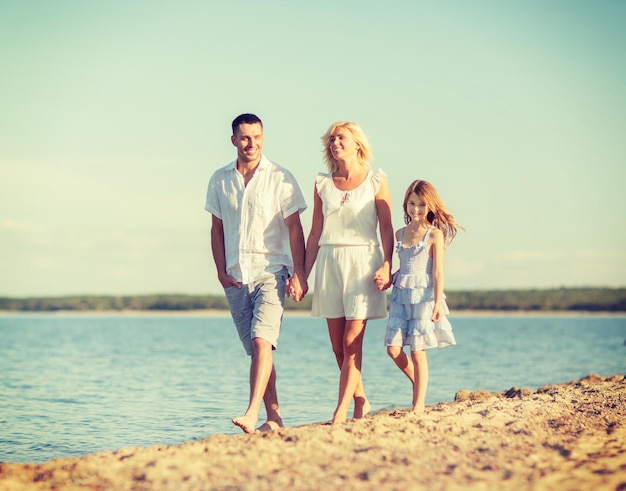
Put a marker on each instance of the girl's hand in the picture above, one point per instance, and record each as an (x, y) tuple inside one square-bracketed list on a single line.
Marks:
[(437, 313)]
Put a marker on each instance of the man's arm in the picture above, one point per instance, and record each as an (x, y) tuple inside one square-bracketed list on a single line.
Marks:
[(219, 253), (298, 286), (312, 243)]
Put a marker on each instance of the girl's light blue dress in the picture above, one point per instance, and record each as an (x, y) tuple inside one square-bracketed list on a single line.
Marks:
[(413, 299)]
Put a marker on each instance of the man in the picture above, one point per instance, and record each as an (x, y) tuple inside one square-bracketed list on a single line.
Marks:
[(258, 249)]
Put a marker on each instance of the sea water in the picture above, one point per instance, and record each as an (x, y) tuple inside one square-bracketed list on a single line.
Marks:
[(71, 385)]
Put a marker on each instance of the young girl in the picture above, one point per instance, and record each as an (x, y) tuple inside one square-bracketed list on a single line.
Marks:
[(417, 314)]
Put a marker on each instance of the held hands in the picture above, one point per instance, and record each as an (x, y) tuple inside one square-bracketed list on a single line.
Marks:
[(382, 277), (296, 289)]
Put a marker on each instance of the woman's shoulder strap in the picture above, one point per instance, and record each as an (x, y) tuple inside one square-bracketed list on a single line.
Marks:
[(321, 180), (376, 178)]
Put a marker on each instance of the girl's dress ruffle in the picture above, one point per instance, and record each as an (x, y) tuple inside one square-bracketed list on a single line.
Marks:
[(413, 288), (423, 333), (405, 281), (412, 302)]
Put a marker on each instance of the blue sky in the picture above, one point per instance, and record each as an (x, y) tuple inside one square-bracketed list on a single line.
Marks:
[(113, 116)]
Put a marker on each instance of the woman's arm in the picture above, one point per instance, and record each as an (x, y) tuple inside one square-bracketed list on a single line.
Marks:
[(382, 277), (298, 287)]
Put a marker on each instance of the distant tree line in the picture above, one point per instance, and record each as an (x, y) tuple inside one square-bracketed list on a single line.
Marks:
[(561, 299), (102, 303)]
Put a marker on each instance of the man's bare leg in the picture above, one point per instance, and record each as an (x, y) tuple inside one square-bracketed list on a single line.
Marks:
[(270, 399), (260, 371)]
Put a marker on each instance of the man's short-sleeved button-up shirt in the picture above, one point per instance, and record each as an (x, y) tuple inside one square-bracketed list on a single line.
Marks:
[(256, 237)]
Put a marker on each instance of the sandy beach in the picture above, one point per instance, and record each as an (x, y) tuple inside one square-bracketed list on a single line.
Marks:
[(557, 437)]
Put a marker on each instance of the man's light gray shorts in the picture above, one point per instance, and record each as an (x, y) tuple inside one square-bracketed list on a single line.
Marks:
[(257, 309)]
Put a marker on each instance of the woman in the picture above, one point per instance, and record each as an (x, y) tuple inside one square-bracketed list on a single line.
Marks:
[(350, 203)]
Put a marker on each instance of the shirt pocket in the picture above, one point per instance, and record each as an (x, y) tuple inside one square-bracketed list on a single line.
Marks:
[(260, 207)]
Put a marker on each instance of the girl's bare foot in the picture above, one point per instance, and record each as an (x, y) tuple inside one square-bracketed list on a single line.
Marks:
[(246, 423), (419, 409), (361, 407)]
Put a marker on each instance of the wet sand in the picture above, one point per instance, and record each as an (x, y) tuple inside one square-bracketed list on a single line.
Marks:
[(558, 437)]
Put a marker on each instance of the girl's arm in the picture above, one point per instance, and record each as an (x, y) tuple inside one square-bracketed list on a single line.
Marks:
[(397, 236), (382, 277), (437, 250), (312, 243)]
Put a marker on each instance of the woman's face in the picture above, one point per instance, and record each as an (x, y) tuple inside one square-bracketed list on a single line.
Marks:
[(342, 144)]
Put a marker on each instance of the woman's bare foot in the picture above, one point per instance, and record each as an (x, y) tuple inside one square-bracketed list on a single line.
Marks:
[(246, 423), (361, 407), (270, 425), (338, 419)]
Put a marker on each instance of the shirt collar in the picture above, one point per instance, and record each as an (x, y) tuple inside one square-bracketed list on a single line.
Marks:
[(263, 163)]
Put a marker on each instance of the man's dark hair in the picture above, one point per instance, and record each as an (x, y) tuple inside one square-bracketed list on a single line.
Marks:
[(246, 118)]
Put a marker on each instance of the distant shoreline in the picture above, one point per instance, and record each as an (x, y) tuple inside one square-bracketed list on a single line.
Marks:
[(502, 302), (306, 313)]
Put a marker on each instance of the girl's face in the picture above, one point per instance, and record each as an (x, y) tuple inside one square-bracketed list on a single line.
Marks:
[(416, 209)]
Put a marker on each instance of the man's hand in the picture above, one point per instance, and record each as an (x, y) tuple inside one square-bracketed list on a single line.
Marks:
[(228, 281)]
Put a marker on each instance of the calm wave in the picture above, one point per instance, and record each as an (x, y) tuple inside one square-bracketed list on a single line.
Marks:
[(74, 385)]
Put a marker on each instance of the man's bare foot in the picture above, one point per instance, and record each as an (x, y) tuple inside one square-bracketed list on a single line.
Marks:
[(361, 407), (270, 425), (246, 423)]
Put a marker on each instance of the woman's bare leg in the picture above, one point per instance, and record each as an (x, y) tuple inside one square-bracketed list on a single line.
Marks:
[(347, 340), (336, 330)]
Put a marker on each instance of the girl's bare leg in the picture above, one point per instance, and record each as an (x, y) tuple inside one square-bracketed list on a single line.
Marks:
[(402, 361), (420, 384), (347, 340)]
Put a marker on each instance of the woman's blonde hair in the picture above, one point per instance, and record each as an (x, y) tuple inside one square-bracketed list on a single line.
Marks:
[(438, 214), (364, 154)]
